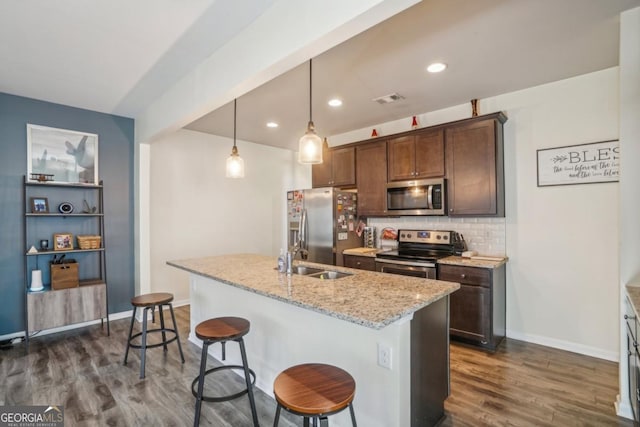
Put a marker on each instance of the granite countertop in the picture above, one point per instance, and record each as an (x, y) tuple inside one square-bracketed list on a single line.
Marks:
[(633, 292), (367, 298), (473, 262), (370, 252)]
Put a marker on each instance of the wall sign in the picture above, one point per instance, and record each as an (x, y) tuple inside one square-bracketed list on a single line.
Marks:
[(579, 164)]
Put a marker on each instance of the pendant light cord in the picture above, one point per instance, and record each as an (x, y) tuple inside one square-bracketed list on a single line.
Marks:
[(234, 122), (310, 90)]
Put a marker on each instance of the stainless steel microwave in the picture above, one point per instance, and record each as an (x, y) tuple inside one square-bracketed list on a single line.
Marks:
[(417, 197)]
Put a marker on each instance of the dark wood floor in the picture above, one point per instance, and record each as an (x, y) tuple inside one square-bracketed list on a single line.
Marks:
[(520, 385)]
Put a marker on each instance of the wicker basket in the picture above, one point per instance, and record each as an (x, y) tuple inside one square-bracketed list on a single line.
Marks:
[(89, 242)]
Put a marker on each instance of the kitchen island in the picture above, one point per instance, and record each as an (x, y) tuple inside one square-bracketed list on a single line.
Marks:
[(358, 322)]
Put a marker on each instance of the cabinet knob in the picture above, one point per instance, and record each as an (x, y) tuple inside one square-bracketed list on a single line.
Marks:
[(450, 209), (462, 276), (358, 263)]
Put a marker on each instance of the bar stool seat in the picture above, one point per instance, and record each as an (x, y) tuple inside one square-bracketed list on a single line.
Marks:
[(149, 302), (314, 390), (223, 329)]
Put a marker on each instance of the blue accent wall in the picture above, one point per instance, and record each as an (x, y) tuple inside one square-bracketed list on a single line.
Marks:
[(115, 166)]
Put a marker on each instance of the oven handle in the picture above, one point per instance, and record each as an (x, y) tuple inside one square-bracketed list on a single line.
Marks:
[(409, 263)]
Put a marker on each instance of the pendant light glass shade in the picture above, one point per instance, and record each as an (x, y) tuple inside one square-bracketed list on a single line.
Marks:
[(235, 163), (310, 145)]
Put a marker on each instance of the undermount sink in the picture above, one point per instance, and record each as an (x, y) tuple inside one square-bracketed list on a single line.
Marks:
[(330, 275), (305, 271)]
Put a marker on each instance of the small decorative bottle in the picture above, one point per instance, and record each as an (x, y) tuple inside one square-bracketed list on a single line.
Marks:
[(282, 268), (414, 123)]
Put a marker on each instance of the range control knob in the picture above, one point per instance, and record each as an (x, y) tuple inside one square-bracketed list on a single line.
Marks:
[(409, 235), (438, 237), (402, 235), (445, 237)]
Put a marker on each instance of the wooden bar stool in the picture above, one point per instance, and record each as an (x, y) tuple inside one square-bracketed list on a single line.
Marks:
[(223, 329), (314, 390), (149, 302)]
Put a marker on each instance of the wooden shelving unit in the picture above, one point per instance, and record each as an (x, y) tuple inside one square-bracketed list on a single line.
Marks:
[(51, 308)]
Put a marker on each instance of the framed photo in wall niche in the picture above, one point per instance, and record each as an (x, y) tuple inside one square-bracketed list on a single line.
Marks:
[(70, 156), (579, 164)]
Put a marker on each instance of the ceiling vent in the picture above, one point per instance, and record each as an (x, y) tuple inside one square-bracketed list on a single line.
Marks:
[(386, 99)]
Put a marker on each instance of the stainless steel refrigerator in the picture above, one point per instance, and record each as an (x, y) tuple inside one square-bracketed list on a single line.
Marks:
[(323, 223)]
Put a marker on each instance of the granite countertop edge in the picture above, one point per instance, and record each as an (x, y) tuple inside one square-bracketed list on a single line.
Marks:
[(352, 319), (470, 262)]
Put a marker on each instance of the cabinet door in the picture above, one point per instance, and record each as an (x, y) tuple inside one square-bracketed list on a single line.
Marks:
[(632, 373), (360, 262), (471, 169), (429, 154), (343, 167), (371, 178), (401, 155), (471, 313), (321, 174)]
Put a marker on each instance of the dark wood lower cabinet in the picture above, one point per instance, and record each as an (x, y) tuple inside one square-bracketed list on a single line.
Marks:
[(360, 262), (478, 308)]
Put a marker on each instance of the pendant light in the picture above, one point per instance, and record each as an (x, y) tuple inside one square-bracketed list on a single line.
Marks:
[(310, 145), (235, 164)]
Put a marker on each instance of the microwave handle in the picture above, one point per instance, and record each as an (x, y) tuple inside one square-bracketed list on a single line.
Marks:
[(430, 197)]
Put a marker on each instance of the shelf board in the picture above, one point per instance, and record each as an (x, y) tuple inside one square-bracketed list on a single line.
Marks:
[(62, 215), (84, 282), (61, 184), (64, 252)]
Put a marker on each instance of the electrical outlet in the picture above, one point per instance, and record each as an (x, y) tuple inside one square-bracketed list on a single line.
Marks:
[(384, 356)]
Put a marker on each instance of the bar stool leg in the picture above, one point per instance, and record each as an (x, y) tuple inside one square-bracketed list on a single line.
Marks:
[(277, 418), (143, 346), (324, 422), (247, 378), (175, 326), (353, 415), (126, 353), (164, 334), (305, 422), (203, 368)]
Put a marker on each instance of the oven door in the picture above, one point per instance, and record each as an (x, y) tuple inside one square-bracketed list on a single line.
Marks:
[(406, 268)]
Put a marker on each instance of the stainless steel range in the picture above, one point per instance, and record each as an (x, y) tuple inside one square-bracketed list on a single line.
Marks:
[(418, 252)]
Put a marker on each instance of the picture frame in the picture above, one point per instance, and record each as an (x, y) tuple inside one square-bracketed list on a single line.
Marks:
[(39, 205), (69, 156), (63, 242), (589, 163)]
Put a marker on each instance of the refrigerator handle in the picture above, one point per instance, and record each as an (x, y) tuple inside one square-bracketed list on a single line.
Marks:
[(302, 239)]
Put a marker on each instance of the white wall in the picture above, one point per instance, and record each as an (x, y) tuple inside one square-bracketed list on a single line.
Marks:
[(562, 242), (196, 211), (629, 177)]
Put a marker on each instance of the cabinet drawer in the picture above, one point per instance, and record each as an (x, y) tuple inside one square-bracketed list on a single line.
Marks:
[(467, 275), (360, 262)]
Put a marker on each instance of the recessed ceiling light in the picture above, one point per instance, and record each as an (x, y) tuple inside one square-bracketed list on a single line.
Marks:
[(335, 102), (436, 67), (272, 125)]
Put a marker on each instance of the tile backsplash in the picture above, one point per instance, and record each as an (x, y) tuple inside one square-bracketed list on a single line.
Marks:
[(483, 235)]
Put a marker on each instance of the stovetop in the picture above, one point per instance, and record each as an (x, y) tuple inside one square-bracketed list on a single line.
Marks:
[(425, 245)]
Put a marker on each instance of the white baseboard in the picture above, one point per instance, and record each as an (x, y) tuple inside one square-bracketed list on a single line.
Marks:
[(114, 316), (586, 350)]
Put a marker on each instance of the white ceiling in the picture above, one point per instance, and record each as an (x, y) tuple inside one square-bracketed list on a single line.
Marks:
[(119, 56)]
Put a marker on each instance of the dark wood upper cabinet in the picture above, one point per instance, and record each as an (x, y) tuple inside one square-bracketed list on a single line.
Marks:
[(371, 176), (475, 176), (336, 170), (416, 156)]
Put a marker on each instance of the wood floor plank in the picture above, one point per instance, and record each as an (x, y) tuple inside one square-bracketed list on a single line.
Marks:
[(521, 384)]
